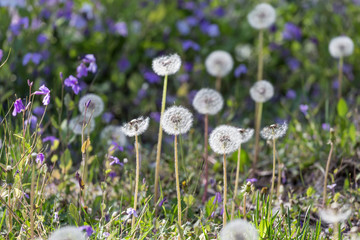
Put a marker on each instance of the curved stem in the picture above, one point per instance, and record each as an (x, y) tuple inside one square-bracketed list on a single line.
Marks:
[(273, 173), (327, 172), (158, 152), (177, 182), (341, 63), (136, 179), (206, 120), (225, 192), (257, 132), (236, 183)]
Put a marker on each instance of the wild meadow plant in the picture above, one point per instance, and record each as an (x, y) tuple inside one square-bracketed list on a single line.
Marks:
[(68, 233), (224, 140), (135, 128), (218, 64), (207, 102), (239, 230), (163, 66), (332, 143)]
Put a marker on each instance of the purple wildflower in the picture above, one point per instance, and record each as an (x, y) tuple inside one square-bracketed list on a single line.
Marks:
[(81, 70), (41, 39), (162, 201), (89, 230), (44, 91), (26, 195), (304, 108), (241, 69), (40, 158), (72, 82), (120, 28), (29, 83), (151, 77), (189, 44), (115, 161), (131, 211), (217, 198), (325, 126), (112, 174), (293, 63), (1, 54), (32, 121), (251, 180), (183, 27), (49, 138), (106, 234), (123, 64), (116, 146), (155, 116), (291, 32), (290, 94), (18, 107), (34, 57), (107, 117)]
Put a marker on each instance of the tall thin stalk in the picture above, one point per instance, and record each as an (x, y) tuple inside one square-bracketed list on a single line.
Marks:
[(9, 203), (177, 182), (136, 179), (244, 208), (327, 172), (236, 183), (341, 63), (273, 172), (279, 177), (218, 83), (260, 57), (32, 196), (206, 122), (158, 152), (225, 192)]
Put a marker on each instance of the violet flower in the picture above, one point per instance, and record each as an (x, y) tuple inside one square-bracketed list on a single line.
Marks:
[(115, 161), (241, 69), (40, 158), (18, 107), (131, 211), (217, 198), (89, 230), (81, 70), (44, 91), (73, 82), (162, 201), (304, 108)]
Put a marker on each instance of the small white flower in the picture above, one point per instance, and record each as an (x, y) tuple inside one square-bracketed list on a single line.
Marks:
[(224, 139), (262, 91), (136, 126), (245, 134), (274, 131), (67, 233), (76, 124), (113, 133), (96, 105), (332, 216), (239, 230), (341, 46), (176, 120), (208, 101), (262, 16), (219, 63), (166, 65)]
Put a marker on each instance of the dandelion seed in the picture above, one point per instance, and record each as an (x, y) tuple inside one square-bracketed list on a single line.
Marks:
[(245, 134), (68, 233), (166, 65), (239, 230), (332, 216), (274, 131), (112, 134), (224, 139), (136, 126), (219, 63), (76, 124), (177, 120), (96, 105), (262, 16), (341, 46), (208, 101), (262, 91)]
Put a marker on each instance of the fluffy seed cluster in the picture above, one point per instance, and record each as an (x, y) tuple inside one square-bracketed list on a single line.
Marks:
[(219, 63), (341, 46), (245, 134), (113, 133), (262, 16), (262, 91), (176, 120), (331, 216), (96, 105), (239, 230), (68, 233), (136, 126), (166, 65), (208, 101), (76, 124), (274, 131), (224, 139)]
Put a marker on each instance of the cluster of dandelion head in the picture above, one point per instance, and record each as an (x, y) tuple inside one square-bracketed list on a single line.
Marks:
[(225, 139), (335, 213), (245, 134), (77, 123), (341, 46), (219, 63), (176, 120), (262, 91), (166, 65), (95, 107), (262, 16), (208, 101), (67, 233), (274, 131), (136, 126), (239, 230)]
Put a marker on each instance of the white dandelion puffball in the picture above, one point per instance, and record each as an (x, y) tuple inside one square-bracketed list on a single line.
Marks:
[(239, 229), (136, 126), (68, 233), (331, 216), (341, 46), (113, 133), (76, 124), (219, 63), (274, 131), (96, 106), (176, 120), (208, 101), (245, 134), (166, 65), (262, 91), (262, 16), (224, 139)]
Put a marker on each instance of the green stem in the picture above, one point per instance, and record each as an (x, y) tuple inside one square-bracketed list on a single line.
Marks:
[(236, 183), (258, 116), (279, 177), (327, 172), (32, 193), (244, 209), (177, 182), (341, 63), (260, 57), (273, 172), (225, 192), (206, 120), (136, 179)]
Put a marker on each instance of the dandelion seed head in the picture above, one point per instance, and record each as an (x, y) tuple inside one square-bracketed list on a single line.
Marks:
[(245, 134), (224, 139), (274, 131), (341, 46), (76, 124), (113, 133), (176, 120), (166, 65), (208, 101), (96, 104), (262, 16), (262, 91), (239, 230), (136, 126), (219, 63), (332, 216), (68, 233)]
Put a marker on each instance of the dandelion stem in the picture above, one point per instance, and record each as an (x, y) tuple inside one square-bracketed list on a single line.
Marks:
[(236, 183), (206, 122), (341, 63), (327, 172), (32, 193), (9, 200), (260, 57), (136, 179), (244, 208), (158, 152), (225, 192), (273, 172), (257, 132), (218, 83), (177, 181), (278, 178)]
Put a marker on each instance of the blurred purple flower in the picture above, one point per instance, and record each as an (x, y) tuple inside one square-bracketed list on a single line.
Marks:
[(49, 138), (188, 66), (18, 23), (155, 116), (304, 108), (212, 30), (332, 186), (325, 126), (241, 69), (162, 201), (290, 94), (119, 28), (112, 174), (251, 180), (191, 95), (89, 230), (18, 107), (116, 146), (78, 21), (81, 71), (123, 64), (187, 44), (106, 234), (217, 198), (41, 39), (72, 82), (40, 158), (183, 27), (39, 110), (183, 78), (347, 70), (1, 54), (44, 91), (335, 84), (291, 32), (192, 21), (34, 57), (131, 211), (151, 77), (293, 63), (32, 120), (219, 12), (107, 117), (115, 161)]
